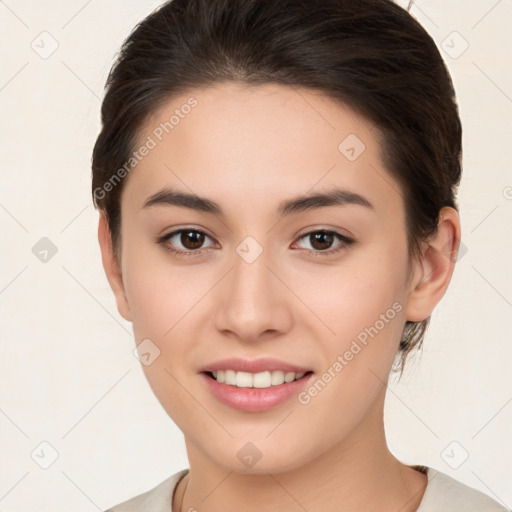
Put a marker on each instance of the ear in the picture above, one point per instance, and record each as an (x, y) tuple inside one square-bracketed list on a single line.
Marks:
[(433, 271), (112, 269)]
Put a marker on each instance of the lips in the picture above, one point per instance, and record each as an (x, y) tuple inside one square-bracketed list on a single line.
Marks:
[(252, 399), (254, 366), (244, 383), (254, 380)]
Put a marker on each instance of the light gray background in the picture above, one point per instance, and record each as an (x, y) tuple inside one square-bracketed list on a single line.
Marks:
[(69, 377)]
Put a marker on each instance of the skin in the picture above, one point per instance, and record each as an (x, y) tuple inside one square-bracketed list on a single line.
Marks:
[(249, 148)]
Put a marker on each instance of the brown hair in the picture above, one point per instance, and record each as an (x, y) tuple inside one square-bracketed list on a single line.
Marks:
[(371, 55)]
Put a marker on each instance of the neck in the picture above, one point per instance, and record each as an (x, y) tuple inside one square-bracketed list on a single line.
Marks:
[(358, 474)]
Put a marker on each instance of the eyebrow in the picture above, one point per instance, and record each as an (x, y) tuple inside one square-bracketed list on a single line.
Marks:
[(297, 204)]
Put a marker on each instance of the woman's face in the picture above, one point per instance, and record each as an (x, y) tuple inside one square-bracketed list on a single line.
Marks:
[(263, 281)]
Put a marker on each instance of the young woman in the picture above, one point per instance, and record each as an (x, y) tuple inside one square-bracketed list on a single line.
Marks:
[(276, 183)]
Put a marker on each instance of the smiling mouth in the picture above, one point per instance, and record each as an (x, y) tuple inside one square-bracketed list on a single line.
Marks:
[(259, 380)]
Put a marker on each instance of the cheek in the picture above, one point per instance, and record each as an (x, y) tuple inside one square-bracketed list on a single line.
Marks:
[(363, 306), (159, 293), (162, 299), (366, 315), (355, 295)]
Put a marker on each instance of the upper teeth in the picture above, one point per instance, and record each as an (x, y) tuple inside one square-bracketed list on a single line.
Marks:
[(255, 380)]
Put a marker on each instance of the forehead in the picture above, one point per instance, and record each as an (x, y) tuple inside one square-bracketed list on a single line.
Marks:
[(258, 144)]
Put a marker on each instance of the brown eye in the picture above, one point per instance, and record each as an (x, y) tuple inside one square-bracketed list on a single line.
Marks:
[(321, 240), (185, 241), (192, 239)]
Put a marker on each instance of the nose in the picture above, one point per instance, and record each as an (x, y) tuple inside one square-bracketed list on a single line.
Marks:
[(253, 303)]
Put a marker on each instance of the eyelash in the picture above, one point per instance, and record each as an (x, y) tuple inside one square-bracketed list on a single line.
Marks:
[(345, 243)]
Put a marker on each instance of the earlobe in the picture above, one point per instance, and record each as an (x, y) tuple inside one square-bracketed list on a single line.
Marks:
[(111, 267), (433, 272)]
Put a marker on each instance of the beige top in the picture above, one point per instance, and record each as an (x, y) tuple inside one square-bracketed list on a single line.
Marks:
[(443, 494)]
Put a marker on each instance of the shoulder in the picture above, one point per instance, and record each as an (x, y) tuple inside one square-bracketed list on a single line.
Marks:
[(157, 499), (445, 494)]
